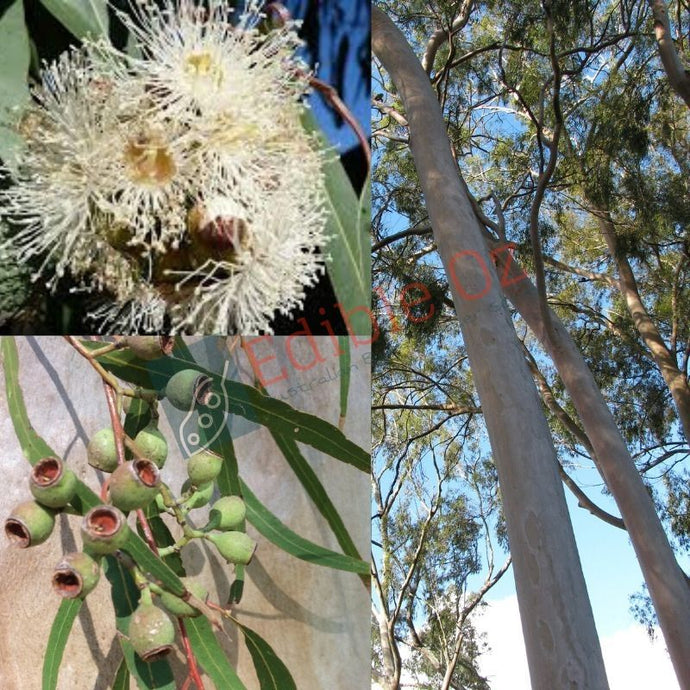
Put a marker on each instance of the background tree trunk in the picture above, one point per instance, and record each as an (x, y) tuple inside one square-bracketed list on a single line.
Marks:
[(665, 580)]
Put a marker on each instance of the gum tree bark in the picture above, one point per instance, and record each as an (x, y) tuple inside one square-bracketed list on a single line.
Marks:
[(665, 580), (562, 645), (678, 76)]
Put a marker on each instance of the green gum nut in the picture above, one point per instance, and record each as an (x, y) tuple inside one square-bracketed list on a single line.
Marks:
[(228, 513), (29, 524), (200, 496), (188, 388), (101, 451), (51, 483), (204, 466), (134, 485), (150, 346), (234, 547), (151, 632), (104, 530), (152, 444), (76, 575), (178, 606)]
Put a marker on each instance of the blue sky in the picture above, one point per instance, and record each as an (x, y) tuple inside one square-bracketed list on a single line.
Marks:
[(354, 24)]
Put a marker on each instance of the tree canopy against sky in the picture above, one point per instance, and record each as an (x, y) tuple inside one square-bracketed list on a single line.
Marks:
[(567, 124)]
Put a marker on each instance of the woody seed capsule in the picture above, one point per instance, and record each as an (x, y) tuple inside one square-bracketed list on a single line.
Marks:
[(51, 483), (134, 485)]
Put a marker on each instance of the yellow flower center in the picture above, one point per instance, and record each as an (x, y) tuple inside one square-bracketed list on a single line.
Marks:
[(202, 65), (149, 161)]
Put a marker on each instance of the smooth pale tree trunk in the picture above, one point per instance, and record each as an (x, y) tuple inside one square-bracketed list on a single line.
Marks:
[(560, 636), (665, 580)]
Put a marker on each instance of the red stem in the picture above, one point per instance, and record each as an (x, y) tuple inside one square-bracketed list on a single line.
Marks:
[(331, 95), (191, 659)]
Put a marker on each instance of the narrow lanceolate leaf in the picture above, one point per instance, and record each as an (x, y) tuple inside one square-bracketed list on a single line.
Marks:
[(348, 249), (270, 670), (57, 640), (345, 361), (81, 17), (316, 491), (245, 401), (15, 56), (211, 655), (228, 480), (121, 680), (283, 537), (32, 445), (125, 596)]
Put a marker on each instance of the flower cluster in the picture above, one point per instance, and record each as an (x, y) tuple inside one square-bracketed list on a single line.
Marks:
[(179, 180)]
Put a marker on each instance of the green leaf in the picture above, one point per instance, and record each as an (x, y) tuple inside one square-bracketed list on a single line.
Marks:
[(32, 445), (81, 17), (348, 249), (138, 416), (283, 537), (228, 480), (57, 640), (237, 586), (211, 655), (15, 56), (345, 361), (125, 596), (316, 491), (121, 680), (270, 670), (245, 401)]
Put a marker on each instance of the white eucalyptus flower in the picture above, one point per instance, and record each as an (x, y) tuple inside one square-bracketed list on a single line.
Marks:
[(181, 184), (196, 60)]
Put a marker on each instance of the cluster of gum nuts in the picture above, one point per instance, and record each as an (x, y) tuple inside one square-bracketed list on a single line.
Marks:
[(131, 486)]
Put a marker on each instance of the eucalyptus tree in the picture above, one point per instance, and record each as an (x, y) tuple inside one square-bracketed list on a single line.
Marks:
[(548, 108), (561, 640)]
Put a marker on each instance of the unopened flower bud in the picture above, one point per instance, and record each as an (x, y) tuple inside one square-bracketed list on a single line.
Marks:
[(188, 388), (204, 466), (152, 444), (228, 513), (178, 606), (101, 451), (234, 547), (150, 346), (151, 632)]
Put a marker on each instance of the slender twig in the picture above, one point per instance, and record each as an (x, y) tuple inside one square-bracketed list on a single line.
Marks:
[(118, 432), (105, 375), (331, 95), (191, 659), (149, 396)]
